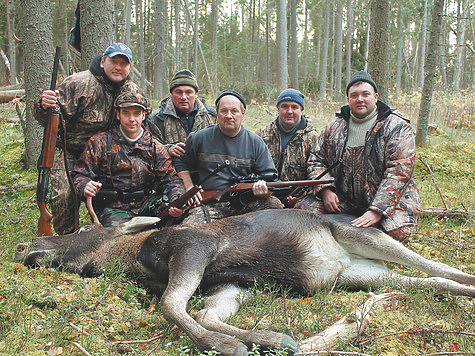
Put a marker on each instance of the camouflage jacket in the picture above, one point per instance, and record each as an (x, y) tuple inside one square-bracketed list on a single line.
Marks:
[(168, 127), (143, 166), (292, 163), (386, 169), (86, 103)]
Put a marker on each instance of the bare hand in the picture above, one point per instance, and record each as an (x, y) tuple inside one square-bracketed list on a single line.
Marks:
[(369, 218), (177, 150), (175, 212), (331, 201), (49, 98), (260, 189), (91, 188)]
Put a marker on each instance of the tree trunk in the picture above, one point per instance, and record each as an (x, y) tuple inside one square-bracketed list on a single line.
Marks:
[(159, 73), (459, 59), (281, 39), (38, 45), (326, 37), (177, 35), (127, 20), (140, 62), (97, 30), (214, 21), (379, 46), (349, 38), (11, 42), (423, 46), (294, 43), (430, 72), (443, 36), (338, 49), (195, 37), (305, 42), (400, 41), (266, 62)]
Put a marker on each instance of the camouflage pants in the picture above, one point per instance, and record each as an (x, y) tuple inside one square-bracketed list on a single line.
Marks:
[(62, 196), (113, 217), (399, 218), (210, 212)]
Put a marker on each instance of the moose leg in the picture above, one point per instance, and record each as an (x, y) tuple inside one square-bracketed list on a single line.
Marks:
[(364, 273), (374, 244), (224, 301), (185, 275)]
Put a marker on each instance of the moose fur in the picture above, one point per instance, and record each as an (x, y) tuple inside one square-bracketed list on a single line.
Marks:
[(294, 248)]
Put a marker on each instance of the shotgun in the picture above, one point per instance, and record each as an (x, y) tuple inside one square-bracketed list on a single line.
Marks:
[(212, 196), (46, 159)]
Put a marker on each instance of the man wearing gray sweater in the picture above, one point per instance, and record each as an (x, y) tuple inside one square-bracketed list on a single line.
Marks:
[(375, 147)]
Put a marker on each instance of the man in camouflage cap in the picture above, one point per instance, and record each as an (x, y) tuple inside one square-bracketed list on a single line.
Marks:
[(85, 101), (375, 147), (180, 113), (122, 167)]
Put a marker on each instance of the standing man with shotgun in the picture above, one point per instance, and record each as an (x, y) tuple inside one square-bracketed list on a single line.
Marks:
[(85, 102)]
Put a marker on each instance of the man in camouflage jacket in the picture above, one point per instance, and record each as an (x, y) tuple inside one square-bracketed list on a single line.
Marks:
[(121, 168), (180, 114), (85, 101), (376, 149), (290, 137)]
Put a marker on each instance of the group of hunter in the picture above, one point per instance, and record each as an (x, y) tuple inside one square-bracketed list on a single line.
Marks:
[(132, 162)]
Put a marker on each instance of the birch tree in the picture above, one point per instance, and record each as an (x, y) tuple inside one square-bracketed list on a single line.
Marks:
[(281, 39), (159, 72), (294, 43), (325, 40)]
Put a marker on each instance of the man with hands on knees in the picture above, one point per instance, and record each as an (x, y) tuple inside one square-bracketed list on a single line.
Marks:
[(370, 151)]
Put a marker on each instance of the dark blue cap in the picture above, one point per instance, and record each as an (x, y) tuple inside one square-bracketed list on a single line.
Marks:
[(233, 93), (291, 95), (119, 49)]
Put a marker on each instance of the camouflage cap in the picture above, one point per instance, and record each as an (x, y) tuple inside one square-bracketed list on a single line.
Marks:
[(132, 98)]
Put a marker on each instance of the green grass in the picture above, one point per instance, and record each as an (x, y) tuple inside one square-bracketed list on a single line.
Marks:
[(40, 308)]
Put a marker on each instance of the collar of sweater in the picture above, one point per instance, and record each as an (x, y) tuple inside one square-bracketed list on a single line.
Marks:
[(371, 116), (129, 140)]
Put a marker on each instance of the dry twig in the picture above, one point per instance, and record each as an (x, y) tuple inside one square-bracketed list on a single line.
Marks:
[(78, 329), (422, 159), (82, 349)]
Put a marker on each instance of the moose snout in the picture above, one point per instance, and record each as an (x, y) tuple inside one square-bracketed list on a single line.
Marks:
[(21, 251)]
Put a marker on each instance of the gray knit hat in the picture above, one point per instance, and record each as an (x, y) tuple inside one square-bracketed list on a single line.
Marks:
[(183, 77), (233, 93), (361, 76)]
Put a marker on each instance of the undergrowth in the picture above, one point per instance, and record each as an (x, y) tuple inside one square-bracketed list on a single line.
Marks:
[(50, 312)]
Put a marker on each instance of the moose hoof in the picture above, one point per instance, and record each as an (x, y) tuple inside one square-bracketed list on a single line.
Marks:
[(240, 350), (289, 344)]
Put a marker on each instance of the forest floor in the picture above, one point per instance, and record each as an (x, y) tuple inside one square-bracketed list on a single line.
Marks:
[(48, 312)]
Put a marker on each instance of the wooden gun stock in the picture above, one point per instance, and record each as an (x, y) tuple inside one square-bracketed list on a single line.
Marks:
[(47, 158), (180, 202), (210, 196)]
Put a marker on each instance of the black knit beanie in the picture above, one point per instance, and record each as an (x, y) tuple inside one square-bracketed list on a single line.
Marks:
[(230, 92), (361, 76)]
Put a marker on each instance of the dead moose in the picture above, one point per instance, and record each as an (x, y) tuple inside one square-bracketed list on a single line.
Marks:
[(294, 248)]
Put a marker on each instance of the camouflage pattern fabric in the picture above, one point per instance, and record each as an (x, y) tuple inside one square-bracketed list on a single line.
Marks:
[(61, 194), (86, 105), (384, 172), (141, 167), (114, 217), (167, 127), (292, 163), (207, 213)]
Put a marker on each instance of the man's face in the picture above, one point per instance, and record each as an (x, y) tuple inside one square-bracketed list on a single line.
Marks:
[(290, 113), (131, 118), (362, 99), (230, 115), (116, 68), (184, 97)]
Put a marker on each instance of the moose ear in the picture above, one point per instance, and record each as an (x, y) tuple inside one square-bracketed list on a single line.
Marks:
[(138, 223)]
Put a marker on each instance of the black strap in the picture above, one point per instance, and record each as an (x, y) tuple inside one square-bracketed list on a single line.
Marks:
[(68, 175)]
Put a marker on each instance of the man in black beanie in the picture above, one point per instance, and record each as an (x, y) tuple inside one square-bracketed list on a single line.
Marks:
[(180, 113), (375, 148), (228, 141)]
